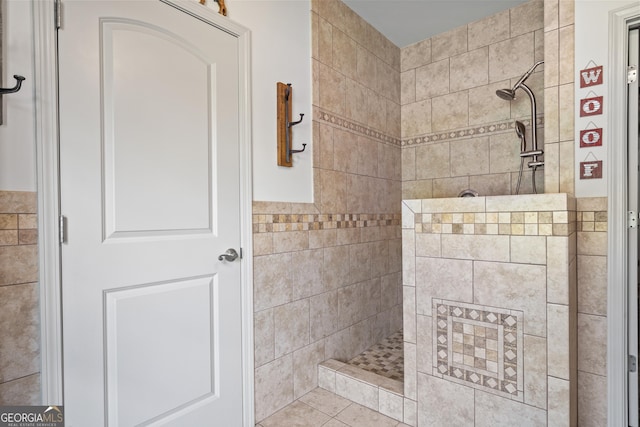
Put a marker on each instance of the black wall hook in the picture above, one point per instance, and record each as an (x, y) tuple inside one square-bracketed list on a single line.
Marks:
[(19, 80)]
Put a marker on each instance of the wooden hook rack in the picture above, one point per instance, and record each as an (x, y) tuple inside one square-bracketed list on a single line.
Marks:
[(285, 151)]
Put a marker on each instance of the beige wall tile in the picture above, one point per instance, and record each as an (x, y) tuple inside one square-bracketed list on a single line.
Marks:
[(290, 241), (592, 284), (273, 386), (416, 118), (491, 185), (272, 281), (592, 406), (410, 371), (305, 368), (306, 274), (394, 120), (521, 106), (519, 51), (409, 314), (566, 46), (492, 29), (424, 347), (10, 237), (344, 53), (552, 169), (20, 344), (291, 326), (476, 247), (592, 243), (389, 162), (470, 69), (504, 150), (566, 113), (408, 260), (558, 336), (551, 14), (591, 204), (442, 278), (566, 13), (326, 146), (408, 156), (592, 344), (551, 58), (450, 111), (422, 189), (450, 187), (529, 250), (323, 316), (558, 269), (527, 17), (470, 156), (432, 80), (20, 392), (495, 411), (325, 42), (366, 68), (388, 81), (8, 222), (486, 107), (410, 413), (449, 44), (334, 191), (262, 243), (27, 221), (345, 151), (535, 371), (18, 264), (391, 404), (408, 87), (415, 55), (377, 110), (264, 337), (428, 245), (338, 345), (432, 161), (516, 287), (356, 391), (332, 90), (356, 98), (18, 201), (559, 402), (539, 47), (336, 267), (359, 262), (443, 403)]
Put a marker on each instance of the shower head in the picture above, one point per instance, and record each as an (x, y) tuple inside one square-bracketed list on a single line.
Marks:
[(520, 129), (510, 94), (506, 94)]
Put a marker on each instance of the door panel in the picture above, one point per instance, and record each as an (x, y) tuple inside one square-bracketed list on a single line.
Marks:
[(149, 161)]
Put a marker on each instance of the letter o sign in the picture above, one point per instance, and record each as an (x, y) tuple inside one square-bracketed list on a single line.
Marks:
[(591, 106), (591, 138)]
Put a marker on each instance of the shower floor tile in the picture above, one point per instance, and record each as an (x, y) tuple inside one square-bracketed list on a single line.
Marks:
[(385, 358)]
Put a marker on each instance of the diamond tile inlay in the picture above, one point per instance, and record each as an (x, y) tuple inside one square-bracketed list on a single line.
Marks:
[(479, 346)]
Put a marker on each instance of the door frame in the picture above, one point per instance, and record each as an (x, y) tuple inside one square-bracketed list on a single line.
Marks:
[(617, 296), (47, 166)]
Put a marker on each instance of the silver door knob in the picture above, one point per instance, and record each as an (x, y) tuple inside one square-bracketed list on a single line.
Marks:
[(230, 255)]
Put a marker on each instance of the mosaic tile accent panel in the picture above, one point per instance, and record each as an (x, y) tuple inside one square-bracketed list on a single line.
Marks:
[(303, 222), (551, 223), (592, 221), (469, 132), (331, 118), (385, 358), (479, 346)]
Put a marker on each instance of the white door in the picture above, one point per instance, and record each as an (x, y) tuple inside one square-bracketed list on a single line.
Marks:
[(150, 184)]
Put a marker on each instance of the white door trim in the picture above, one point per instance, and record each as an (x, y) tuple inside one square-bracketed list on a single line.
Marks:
[(46, 106), (617, 297)]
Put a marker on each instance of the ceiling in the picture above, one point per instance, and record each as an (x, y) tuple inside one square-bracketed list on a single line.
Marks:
[(405, 22)]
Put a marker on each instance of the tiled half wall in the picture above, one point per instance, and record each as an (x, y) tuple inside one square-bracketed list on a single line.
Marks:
[(490, 310)]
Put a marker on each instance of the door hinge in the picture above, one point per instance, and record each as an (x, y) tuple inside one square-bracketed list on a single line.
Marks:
[(58, 14), (633, 363), (632, 219), (62, 229), (241, 253), (632, 74)]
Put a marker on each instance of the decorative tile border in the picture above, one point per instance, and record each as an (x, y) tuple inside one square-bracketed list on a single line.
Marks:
[(335, 120), (479, 346), (550, 223), (265, 223), (468, 132), (592, 221)]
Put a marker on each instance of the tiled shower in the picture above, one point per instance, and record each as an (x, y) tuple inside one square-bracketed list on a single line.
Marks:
[(431, 108)]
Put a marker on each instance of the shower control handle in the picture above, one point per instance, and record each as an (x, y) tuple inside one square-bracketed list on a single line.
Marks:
[(230, 255)]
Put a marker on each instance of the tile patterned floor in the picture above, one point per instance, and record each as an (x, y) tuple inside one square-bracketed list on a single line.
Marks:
[(321, 408), (385, 358)]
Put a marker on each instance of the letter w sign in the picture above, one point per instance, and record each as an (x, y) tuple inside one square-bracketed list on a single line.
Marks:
[(591, 76)]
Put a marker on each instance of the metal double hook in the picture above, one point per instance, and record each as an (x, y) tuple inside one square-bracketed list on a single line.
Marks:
[(19, 80)]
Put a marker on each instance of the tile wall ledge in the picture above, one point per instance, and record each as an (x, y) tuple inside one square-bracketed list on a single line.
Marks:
[(521, 203)]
